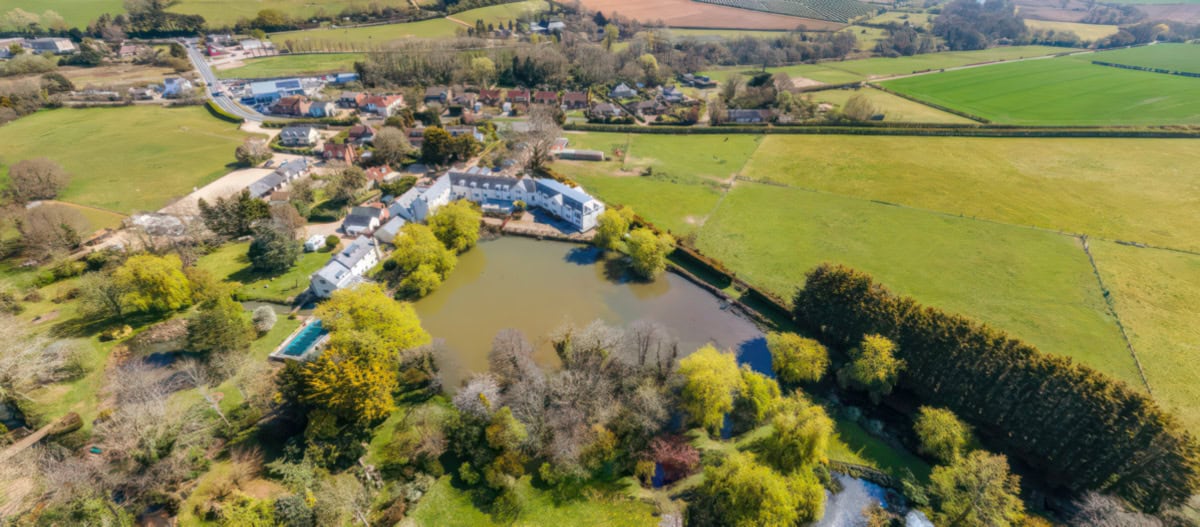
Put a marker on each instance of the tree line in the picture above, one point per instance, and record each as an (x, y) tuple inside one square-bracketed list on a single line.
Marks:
[(1082, 429)]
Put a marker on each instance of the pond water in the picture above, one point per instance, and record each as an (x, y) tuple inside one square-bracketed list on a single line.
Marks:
[(538, 286)]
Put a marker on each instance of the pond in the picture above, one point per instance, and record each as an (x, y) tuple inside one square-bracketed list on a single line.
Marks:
[(538, 286)]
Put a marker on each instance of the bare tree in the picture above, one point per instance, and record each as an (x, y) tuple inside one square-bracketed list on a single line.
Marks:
[(38, 178), (342, 500), (100, 295), (196, 374), (252, 151), (511, 358), (48, 230), (286, 218), (544, 130), (27, 362), (479, 396), (585, 348), (1098, 510), (391, 146)]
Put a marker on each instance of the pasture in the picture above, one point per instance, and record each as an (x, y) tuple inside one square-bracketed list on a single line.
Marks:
[(128, 159), (836, 72), (1060, 91), (228, 12), (377, 37), (1122, 189), (286, 65), (1089, 32), (894, 108), (692, 14), (1173, 57), (1155, 294), (76, 13), (947, 221)]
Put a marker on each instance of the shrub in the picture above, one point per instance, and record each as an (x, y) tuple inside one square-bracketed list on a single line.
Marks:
[(264, 319), (331, 241), (678, 458)]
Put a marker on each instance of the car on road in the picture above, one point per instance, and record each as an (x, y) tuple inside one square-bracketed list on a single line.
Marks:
[(268, 164)]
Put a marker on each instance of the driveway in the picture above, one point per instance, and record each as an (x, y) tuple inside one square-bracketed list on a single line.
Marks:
[(229, 184)]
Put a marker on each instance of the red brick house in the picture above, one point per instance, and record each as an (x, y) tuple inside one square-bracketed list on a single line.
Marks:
[(297, 105), (575, 100), (361, 134), (339, 152), (518, 96), (490, 97), (548, 98)]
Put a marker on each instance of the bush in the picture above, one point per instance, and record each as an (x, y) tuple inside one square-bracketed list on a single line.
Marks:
[(264, 319), (293, 511), (331, 241)]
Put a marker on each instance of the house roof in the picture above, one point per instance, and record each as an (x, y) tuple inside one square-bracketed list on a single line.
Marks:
[(575, 96), (436, 91), (266, 184), (297, 131), (337, 271), (518, 92), (392, 226), (489, 94), (543, 95), (382, 100), (361, 130), (378, 173), (270, 87)]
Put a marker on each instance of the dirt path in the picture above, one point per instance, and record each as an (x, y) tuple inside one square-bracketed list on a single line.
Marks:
[(459, 22), (88, 207), (28, 441)]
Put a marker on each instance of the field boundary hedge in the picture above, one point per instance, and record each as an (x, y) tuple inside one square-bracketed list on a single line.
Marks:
[(221, 114), (327, 121), (889, 129), (1147, 69)]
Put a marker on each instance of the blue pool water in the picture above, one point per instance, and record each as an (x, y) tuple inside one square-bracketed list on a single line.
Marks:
[(304, 340)]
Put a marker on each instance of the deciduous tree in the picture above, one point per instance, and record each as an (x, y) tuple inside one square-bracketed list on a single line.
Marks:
[(220, 326), (391, 147), (417, 246), (649, 251), (235, 215), (710, 381), (611, 228), (801, 437), (976, 490), (456, 224), (154, 283), (253, 151), (367, 308), (873, 368), (740, 492), (941, 433), (38, 178), (274, 249), (796, 359)]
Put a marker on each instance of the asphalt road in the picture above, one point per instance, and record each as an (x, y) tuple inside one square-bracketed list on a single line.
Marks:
[(210, 79)]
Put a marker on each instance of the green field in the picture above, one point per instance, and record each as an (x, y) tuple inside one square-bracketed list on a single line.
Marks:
[(129, 159), (1036, 284), (916, 19), (1174, 57), (1061, 91), (1123, 189), (893, 107), (286, 65), (1155, 293), (228, 12), (703, 34), (1090, 32), (374, 37), (77, 13), (835, 72)]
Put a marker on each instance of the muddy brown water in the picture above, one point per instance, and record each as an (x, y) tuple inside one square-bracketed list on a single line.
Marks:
[(538, 286)]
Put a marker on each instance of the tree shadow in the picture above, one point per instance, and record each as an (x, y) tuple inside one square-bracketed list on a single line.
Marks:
[(84, 327), (583, 256)]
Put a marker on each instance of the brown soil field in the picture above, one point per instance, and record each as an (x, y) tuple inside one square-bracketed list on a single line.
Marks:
[(689, 14)]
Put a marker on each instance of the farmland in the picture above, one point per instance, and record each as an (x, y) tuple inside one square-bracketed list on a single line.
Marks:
[(832, 10), (284, 65), (1090, 32), (834, 72), (894, 108), (1061, 91), (691, 14), (374, 37), (1155, 294), (76, 13), (1173, 57), (227, 12), (126, 159), (957, 235)]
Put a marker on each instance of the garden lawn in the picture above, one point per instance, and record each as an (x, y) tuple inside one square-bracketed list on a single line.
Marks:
[(288, 65), (231, 264), (1142, 190), (128, 159), (1061, 91), (893, 107), (1037, 286), (447, 506), (836, 72), (1173, 57), (1155, 293), (220, 13), (76, 13)]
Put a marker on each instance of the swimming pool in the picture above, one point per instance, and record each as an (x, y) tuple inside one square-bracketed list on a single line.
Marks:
[(302, 342)]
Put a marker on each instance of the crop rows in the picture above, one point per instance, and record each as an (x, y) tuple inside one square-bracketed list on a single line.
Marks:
[(832, 10)]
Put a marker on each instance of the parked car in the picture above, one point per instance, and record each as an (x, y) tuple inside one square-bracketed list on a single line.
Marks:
[(269, 163)]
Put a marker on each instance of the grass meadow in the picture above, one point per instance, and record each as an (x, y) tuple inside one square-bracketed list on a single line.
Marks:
[(1175, 57), (448, 506), (1034, 283), (1155, 294), (836, 72), (128, 159), (228, 12), (1061, 91), (1123, 189), (1090, 32), (230, 263), (373, 37), (893, 107), (285, 65), (76, 13)]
